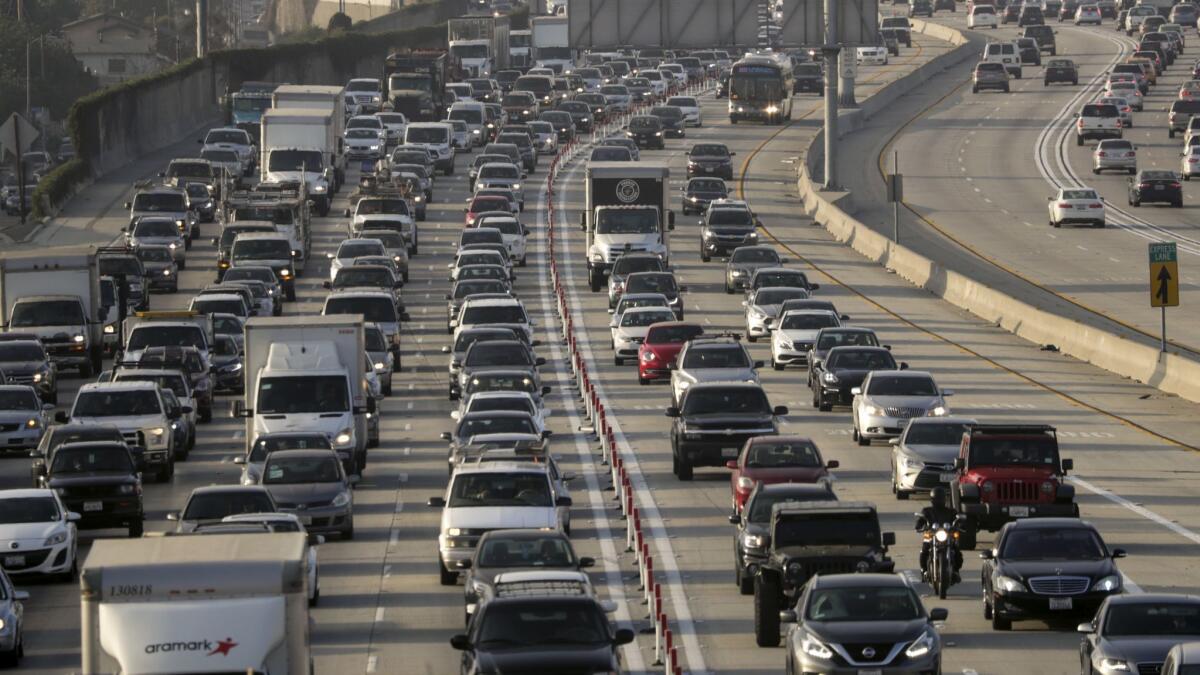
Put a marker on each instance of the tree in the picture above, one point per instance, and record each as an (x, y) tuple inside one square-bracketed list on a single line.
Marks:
[(64, 79)]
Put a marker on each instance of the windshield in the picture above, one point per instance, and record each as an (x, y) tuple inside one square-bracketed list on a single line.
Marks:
[(501, 489), (1027, 451), (160, 201), (808, 321), (293, 470), (299, 394), (652, 283), (709, 150), (362, 276), (501, 314), (540, 623), (359, 248), (165, 336), (498, 353), (756, 86), (935, 433), (263, 274), (721, 216), (726, 401), (720, 357), (760, 509), (47, 313), (645, 318), (547, 551), (190, 169), (91, 459), (507, 424), (155, 228), (859, 603), (244, 104), (1075, 543), (897, 385), (779, 454), (379, 310), (265, 445), (1156, 619), (218, 505), (794, 279), (105, 403), (261, 249), (295, 160), (226, 136), (17, 351), (467, 115), (470, 51), (831, 339), (754, 255), (18, 399), (129, 266), (434, 135), (14, 510), (778, 296), (830, 529), (209, 305)]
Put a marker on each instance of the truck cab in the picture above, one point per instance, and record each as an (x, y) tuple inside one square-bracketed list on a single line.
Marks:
[(1009, 471), (625, 211)]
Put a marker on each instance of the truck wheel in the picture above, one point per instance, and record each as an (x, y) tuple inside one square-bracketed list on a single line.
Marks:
[(766, 610), (683, 468), (594, 281), (291, 294), (135, 529), (745, 583), (967, 537), (387, 390), (447, 577), (205, 414)]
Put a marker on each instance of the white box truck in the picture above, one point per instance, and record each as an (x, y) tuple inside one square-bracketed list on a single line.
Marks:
[(55, 293), (217, 603), (551, 44), (480, 43), (299, 143), (331, 99), (307, 373), (626, 210)]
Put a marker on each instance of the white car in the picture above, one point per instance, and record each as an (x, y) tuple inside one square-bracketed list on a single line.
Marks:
[(473, 256), (520, 401), (351, 249), (289, 522), (888, 399), (515, 236), (691, 110), (235, 139), (629, 330), (37, 533), (982, 16), (1077, 205), (1190, 164), (794, 334), (394, 123), (873, 55), (1128, 90)]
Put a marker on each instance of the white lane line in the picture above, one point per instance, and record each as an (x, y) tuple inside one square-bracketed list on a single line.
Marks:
[(1137, 508), (372, 663), (378, 614), (647, 504), (610, 557)]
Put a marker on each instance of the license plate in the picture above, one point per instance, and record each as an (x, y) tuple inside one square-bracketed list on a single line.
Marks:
[(93, 506), (1018, 511), (305, 520), (870, 672), (708, 169), (1060, 603), (14, 561), (947, 477), (730, 453)]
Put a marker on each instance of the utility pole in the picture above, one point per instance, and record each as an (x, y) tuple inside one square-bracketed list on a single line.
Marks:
[(201, 28), (830, 51)]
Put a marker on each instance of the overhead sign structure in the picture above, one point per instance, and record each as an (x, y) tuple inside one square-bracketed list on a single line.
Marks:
[(803, 24), (1164, 275), (670, 24)]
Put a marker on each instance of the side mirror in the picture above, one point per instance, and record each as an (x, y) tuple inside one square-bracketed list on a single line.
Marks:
[(328, 285), (959, 463), (215, 241), (1068, 465), (735, 519), (986, 554), (587, 562), (889, 538), (461, 642), (545, 391), (672, 412), (832, 464), (623, 636), (239, 409), (185, 409), (788, 616), (316, 539), (20, 596), (239, 460), (445, 435), (947, 392), (1086, 628), (73, 517), (563, 501), (1118, 553), (731, 464), (540, 362), (939, 614), (759, 364), (670, 220), (61, 417), (547, 433), (173, 516), (436, 502), (814, 287), (128, 205), (779, 410)]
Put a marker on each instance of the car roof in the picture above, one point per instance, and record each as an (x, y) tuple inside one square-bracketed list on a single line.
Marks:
[(20, 493), (218, 489), (1050, 524), (1146, 598), (128, 385), (859, 579)]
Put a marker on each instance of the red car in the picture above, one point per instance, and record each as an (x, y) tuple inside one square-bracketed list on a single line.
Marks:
[(485, 203), (776, 459), (661, 346)]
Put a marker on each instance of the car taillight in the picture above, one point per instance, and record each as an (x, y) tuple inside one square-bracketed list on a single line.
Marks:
[(1080, 124), (1131, 154), (1102, 154), (1144, 186), (1193, 160), (1176, 185), (1064, 205), (1095, 206)]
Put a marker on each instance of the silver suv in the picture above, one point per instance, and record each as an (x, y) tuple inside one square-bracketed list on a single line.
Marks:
[(711, 358)]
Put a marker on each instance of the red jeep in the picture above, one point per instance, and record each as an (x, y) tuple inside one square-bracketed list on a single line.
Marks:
[(1009, 471)]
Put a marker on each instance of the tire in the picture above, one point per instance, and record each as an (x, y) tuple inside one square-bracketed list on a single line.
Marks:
[(312, 602), (1078, 140), (684, 471), (744, 583), (944, 576), (704, 257), (618, 361), (136, 529), (822, 404), (446, 577), (861, 439), (348, 533), (85, 370), (974, 89), (1000, 623), (766, 610), (205, 414), (1170, 133), (775, 365), (387, 391)]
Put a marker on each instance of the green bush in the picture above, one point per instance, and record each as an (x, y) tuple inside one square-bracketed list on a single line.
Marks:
[(56, 186)]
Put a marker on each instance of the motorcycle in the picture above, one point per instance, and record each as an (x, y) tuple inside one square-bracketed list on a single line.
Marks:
[(942, 541)]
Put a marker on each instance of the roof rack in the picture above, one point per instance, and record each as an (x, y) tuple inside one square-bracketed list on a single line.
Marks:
[(121, 249), (718, 336), (525, 589), (1023, 429)]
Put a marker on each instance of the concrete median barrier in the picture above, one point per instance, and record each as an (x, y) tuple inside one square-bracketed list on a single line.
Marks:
[(1138, 360)]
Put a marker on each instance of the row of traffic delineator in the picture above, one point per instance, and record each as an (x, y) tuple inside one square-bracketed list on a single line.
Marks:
[(637, 539)]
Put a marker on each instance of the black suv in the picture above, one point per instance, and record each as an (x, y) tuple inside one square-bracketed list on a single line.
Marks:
[(99, 481), (710, 159), (581, 115), (752, 539), (646, 131), (808, 77), (700, 192), (811, 538), (1045, 38), (920, 8), (1156, 186), (1060, 70), (502, 551), (714, 420), (62, 434), (726, 228), (1031, 16), (672, 120), (1046, 568)]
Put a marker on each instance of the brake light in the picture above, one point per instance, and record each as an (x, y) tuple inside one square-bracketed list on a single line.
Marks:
[(1144, 186), (1080, 123), (1102, 154), (1193, 160), (1176, 185), (1095, 206), (1064, 205)]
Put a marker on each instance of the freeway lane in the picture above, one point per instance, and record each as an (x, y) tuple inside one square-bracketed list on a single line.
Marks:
[(983, 196), (928, 334)]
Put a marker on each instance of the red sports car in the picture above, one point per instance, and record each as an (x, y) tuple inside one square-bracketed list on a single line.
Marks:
[(776, 459), (661, 346)]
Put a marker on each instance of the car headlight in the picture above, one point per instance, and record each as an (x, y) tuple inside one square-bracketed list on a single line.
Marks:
[(939, 411), (38, 377), (830, 378), (875, 411), (344, 437), (167, 272), (648, 356), (1114, 664), (921, 646), (597, 257), (745, 482), (342, 499), (815, 648), (77, 338), (32, 423), (583, 119), (110, 329), (55, 539), (1007, 584), (179, 223), (738, 273), (374, 147), (1108, 584), (516, 186), (753, 541), (658, 133), (320, 188), (684, 385)]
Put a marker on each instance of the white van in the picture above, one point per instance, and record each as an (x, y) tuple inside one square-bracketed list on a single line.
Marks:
[(435, 136), (474, 114), (1005, 53)]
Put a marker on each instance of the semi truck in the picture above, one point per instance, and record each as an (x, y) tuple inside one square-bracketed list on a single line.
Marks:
[(307, 374), (415, 82), (301, 144), (625, 210), (479, 43), (248, 104), (551, 44), (204, 603), (520, 49), (55, 293)]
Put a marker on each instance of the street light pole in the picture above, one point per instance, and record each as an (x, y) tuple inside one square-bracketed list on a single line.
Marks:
[(830, 51)]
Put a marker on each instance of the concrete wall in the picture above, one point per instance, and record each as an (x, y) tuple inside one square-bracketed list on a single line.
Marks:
[(290, 16), (1139, 361), (417, 14)]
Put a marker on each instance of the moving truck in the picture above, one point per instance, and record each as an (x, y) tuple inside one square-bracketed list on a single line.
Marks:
[(331, 99), (55, 293), (307, 373), (415, 82), (479, 43), (551, 46), (625, 210), (213, 603), (300, 143)]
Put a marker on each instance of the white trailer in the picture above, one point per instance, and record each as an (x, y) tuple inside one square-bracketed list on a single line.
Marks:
[(551, 44), (219, 603)]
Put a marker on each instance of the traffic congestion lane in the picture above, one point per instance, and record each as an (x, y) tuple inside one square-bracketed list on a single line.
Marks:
[(985, 197), (694, 514)]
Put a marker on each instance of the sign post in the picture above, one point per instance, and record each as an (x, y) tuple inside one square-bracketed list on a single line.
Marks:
[(895, 194), (16, 136), (1164, 281)]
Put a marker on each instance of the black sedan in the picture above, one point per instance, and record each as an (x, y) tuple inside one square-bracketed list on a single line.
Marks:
[(700, 192), (1133, 633), (710, 159), (1060, 70), (581, 113), (920, 8), (843, 369), (646, 131), (1151, 186), (808, 77), (939, 5), (1044, 568), (501, 551), (672, 120)]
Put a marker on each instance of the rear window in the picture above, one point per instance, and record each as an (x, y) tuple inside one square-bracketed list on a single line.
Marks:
[(1099, 110), (990, 67)]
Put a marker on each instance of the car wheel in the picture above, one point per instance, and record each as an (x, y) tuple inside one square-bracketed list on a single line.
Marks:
[(751, 338), (987, 609), (618, 361), (766, 610), (446, 577), (704, 257), (1000, 622), (775, 364), (1078, 140), (822, 404), (348, 533), (136, 528), (745, 583)]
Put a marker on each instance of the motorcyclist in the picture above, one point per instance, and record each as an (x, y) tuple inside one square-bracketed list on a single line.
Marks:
[(938, 512)]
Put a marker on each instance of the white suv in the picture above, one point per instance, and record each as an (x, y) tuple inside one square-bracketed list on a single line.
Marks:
[(982, 15), (1097, 120), (139, 410)]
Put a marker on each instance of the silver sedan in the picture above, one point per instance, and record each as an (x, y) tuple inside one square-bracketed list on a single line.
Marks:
[(1115, 154)]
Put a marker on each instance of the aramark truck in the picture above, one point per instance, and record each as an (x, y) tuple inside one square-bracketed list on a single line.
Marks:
[(55, 293), (211, 603), (300, 143), (626, 210), (480, 43), (551, 46), (415, 82), (307, 373)]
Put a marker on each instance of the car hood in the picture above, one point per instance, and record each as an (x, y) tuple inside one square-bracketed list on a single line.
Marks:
[(19, 415), (867, 631), (305, 493), (926, 402), (1141, 648), (124, 423), (35, 533), (632, 332), (940, 454), (491, 518), (89, 479), (722, 375), (20, 367), (794, 334), (1025, 569), (712, 419), (791, 474), (558, 659)]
